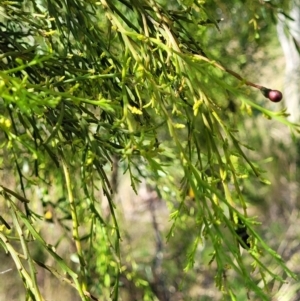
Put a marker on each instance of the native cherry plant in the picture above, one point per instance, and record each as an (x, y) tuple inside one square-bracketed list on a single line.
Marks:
[(93, 82)]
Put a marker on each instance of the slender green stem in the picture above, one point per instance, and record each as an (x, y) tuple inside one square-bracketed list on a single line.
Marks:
[(33, 284), (16, 195), (75, 231)]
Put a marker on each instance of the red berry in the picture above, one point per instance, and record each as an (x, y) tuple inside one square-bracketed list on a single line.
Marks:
[(275, 95)]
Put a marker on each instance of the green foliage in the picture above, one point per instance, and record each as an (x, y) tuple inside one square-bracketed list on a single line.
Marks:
[(83, 83)]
